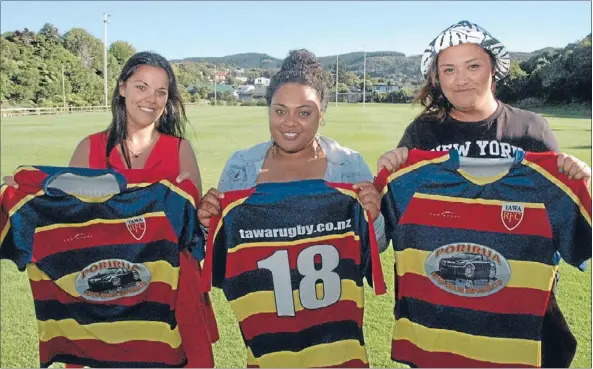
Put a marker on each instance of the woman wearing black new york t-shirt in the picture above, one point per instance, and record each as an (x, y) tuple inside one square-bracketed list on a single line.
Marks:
[(461, 67), (461, 111)]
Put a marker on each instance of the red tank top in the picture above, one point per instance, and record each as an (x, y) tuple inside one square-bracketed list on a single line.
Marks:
[(164, 155)]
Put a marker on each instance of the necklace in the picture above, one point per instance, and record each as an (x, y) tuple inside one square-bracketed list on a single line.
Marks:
[(137, 154)]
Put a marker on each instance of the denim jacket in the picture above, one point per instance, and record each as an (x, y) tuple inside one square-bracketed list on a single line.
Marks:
[(343, 165)]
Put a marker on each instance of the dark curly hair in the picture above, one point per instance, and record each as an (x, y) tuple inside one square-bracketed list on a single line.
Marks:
[(302, 67)]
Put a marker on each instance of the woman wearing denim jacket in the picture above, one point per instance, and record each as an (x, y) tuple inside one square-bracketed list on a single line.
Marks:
[(297, 97)]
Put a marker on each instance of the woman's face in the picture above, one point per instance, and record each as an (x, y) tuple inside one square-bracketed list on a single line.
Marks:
[(146, 93), (465, 75), (294, 116)]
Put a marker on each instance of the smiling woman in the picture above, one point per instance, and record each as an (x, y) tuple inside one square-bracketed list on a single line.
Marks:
[(147, 129), (148, 124), (462, 66), (147, 132), (297, 99)]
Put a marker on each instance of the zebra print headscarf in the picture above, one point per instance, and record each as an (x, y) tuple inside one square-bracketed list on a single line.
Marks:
[(466, 32)]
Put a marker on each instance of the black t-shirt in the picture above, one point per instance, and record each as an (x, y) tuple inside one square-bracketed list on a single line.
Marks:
[(498, 136)]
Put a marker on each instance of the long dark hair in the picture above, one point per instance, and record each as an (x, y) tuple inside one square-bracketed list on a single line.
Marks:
[(431, 96), (172, 121)]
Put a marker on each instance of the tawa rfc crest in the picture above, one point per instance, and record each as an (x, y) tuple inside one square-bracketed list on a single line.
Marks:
[(511, 215), (137, 227)]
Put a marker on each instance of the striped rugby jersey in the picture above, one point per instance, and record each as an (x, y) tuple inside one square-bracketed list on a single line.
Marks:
[(476, 257), (291, 258), (102, 252)]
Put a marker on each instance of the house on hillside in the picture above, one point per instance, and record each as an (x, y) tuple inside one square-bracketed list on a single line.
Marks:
[(251, 92), (220, 88), (261, 91), (384, 88), (244, 92), (238, 72), (262, 81), (221, 76)]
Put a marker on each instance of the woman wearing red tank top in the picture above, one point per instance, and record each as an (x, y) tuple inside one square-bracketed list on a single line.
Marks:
[(147, 128), (148, 125), (147, 132)]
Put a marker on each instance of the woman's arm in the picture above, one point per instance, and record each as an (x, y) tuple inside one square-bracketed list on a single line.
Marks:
[(234, 175), (80, 157), (188, 163)]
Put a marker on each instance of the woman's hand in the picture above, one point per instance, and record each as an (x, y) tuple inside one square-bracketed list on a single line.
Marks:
[(393, 159), (574, 168), (369, 198), (9, 180), (209, 206)]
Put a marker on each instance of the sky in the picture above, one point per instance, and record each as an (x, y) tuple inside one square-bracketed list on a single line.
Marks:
[(200, 28)]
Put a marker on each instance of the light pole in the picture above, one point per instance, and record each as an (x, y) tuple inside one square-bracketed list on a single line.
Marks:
[(63, 89), (364, 78), (64, 75), (337, 56), (215, 84), (105, 21)]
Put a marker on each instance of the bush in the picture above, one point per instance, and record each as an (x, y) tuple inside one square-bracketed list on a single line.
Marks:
[(530, 103)]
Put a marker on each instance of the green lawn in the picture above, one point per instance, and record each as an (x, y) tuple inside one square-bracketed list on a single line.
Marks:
[(216, 133)]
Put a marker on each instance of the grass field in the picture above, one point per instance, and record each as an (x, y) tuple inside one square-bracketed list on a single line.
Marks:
[(217, 132)]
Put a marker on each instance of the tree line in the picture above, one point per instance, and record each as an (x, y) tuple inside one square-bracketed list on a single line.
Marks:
[(49, 69), (551, 78)]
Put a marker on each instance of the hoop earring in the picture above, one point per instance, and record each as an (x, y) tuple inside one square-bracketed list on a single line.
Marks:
[(322, 122)]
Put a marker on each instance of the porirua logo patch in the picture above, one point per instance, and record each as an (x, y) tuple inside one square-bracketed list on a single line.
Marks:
[(468, 269), (111, 279)]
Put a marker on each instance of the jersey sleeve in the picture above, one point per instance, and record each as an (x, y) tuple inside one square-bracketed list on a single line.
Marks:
[(370, 261), (397, 189), (389, 208), (568, 205), (216, 254), (16, 232), (181, 208), (572, 223)]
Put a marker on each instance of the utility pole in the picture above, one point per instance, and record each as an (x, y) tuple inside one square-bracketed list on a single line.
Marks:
[(215, 102), (337, 56), (105, 21), (63, 89), (364, 79)]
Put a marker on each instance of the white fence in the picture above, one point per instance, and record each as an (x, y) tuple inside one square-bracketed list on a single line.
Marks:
[(15, 112)]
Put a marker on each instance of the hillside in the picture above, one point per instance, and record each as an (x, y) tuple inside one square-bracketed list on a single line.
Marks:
[(380, 64), (49, 68), (243, 60)]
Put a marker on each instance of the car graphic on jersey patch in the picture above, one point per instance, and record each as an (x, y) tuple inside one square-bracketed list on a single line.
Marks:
[(468, 269), (468, 266), (111, 279)]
